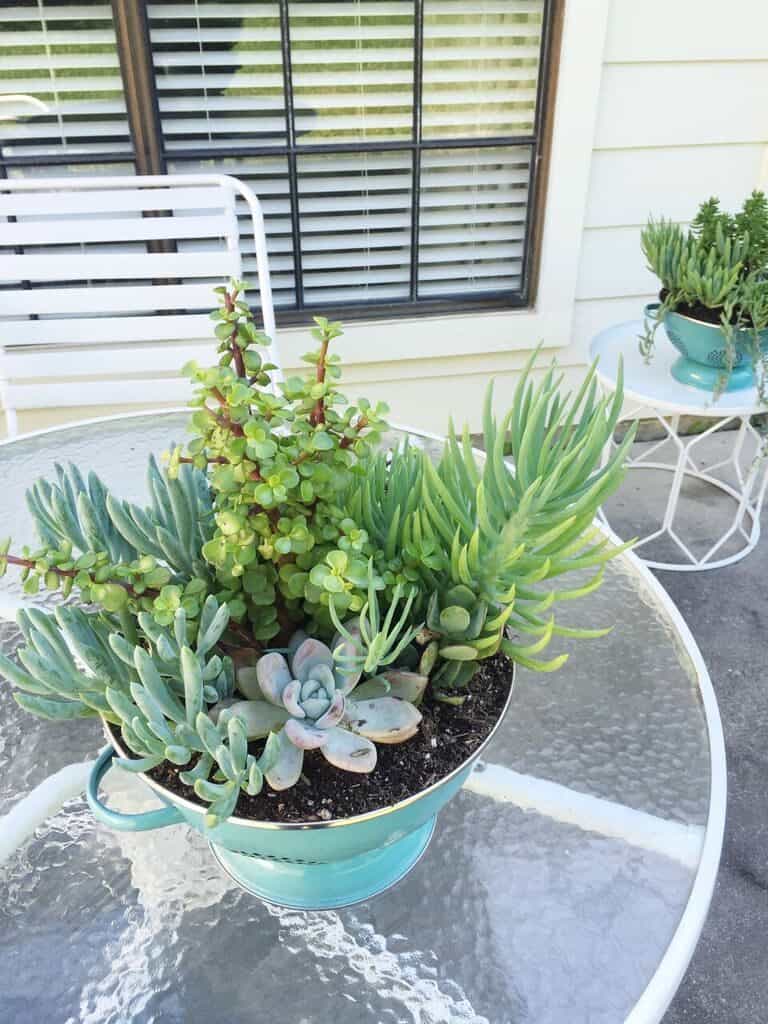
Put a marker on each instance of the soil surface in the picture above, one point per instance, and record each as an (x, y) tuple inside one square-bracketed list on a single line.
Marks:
[(699, 312), (447, 736)]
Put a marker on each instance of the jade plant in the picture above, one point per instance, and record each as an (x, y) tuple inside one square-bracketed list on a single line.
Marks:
[(293, 584), (716, 271)]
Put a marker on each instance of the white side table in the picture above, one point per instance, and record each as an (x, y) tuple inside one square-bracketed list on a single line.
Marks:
[(652, 392)]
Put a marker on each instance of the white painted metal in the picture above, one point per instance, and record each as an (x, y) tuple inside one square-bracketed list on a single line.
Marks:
[(655, 1000), (653, 384), (652, 392), (42, 803), (95, 293), (113, 195), (102, 330), (74, 301), (76, 267)]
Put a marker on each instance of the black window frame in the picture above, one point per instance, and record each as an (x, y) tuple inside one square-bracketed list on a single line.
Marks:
[(150, 156)]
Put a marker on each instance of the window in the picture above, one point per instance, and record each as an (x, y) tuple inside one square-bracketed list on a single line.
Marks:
[(394, 143)]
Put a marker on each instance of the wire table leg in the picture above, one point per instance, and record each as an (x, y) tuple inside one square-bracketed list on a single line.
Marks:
[(748, 491)]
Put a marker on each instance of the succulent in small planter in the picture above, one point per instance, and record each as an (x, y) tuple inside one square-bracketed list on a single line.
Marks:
[(714, 295), (276, 644)]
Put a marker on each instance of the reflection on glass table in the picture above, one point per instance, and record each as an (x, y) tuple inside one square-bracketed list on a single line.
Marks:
[(569, 881)]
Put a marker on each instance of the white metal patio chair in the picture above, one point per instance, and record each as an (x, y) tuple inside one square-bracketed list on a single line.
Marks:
[(106, 284)]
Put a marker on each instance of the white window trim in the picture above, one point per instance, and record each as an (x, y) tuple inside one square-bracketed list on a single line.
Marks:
[(550, 320)]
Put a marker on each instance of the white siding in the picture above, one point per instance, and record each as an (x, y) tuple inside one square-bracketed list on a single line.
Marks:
[(683, 114)]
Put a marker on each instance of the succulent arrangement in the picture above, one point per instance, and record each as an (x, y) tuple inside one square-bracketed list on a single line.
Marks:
[(293, 585), (716, 271)]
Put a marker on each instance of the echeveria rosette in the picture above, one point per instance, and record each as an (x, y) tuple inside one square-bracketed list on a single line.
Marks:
[(308, 699)]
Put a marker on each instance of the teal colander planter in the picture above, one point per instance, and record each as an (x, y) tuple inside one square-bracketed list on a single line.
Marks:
[(702, 352), (312, 865)]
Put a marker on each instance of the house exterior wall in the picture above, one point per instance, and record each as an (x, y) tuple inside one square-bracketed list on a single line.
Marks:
[(682, 115), (660, 105)]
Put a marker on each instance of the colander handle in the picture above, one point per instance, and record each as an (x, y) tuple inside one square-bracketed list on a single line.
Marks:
[(117, 819), (651, 310)]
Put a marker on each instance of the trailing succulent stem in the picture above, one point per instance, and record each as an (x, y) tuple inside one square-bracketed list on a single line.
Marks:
[(156, 685)]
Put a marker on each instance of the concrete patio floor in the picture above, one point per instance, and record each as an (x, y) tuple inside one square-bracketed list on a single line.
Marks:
[(727, 611)]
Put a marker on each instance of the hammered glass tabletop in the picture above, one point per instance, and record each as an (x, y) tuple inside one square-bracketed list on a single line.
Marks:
[(550, 893)]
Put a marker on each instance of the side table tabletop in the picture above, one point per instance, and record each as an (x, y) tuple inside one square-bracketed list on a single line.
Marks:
[(568, 882), (737, 470)]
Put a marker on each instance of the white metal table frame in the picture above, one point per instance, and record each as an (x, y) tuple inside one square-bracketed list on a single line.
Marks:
[(750, 472), (585, 811)]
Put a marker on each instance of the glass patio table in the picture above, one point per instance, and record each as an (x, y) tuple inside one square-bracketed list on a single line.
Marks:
[(568, 881)]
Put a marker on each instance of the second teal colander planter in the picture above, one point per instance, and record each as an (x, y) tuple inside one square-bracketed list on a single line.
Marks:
[(702, 352), (308, 866)]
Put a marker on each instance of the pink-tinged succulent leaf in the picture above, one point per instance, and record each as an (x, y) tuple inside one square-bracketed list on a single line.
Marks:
[(325, 677), (248, 682), (291, 695), (310, 652), (286, 768), (304, 735), (347, 679), (259, 717), (408, 686), (273, 675), (383, 720), (335, 712), (348, 751)]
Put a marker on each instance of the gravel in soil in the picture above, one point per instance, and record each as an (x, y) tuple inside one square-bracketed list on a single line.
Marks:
[(448, 735)]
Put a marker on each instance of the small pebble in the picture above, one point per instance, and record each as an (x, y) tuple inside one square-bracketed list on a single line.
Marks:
[(325, 814)]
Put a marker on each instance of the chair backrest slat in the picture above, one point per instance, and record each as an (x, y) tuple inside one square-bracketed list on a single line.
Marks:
[(106, 330), (118, 266), (134, 228), (109, 200), (73, 361), (58, 301), (107, 277)]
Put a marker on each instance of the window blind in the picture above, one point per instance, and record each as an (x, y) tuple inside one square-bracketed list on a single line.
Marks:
[(393, 143), (60, 88)]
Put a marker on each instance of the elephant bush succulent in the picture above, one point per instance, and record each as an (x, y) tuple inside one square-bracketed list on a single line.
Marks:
[(291, 585)]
